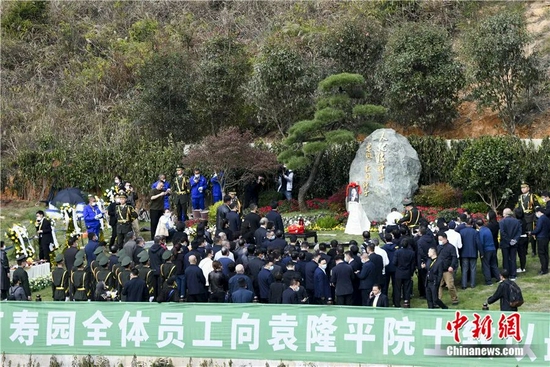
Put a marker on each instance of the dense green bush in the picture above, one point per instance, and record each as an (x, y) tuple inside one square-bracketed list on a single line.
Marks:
[(422, 78), (437, 157), (24, 16), (493, 167), (327, 222), (441, 195)]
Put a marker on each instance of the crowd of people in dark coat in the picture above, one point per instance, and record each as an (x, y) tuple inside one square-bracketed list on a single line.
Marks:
[(257, 262)]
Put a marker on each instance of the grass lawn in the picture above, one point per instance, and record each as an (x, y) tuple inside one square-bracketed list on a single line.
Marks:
[(535, 288)]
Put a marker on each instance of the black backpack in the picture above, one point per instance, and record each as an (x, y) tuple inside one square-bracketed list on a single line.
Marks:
[(13, 289), (515, 296)]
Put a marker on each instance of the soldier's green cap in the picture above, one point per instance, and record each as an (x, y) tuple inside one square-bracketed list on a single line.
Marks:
[(103, 261), (59, 258), (80, 253), (98, 250), (126, 261), (166, 255), (78, 261), (143, 258)]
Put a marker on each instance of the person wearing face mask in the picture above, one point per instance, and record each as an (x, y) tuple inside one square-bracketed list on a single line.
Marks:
[(93, 216), (112, 213), (45, 236), (198, 187), (321, 290), (166, 226), (446, 253), (265, 278), (290, 295)]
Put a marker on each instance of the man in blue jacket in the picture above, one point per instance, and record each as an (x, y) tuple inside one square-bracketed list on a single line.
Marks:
[(470, 248), (265, 278), (510, 231), (542, 234), (196, 282), (242, 295), (367, 278), (488, 253), (390, 249), (216, 187), (274, 216), (321, 291), (198, 187), (93, 216), (404, 262)]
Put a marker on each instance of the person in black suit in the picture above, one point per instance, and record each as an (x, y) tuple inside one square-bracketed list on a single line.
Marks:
[(261, 233), (355, 262), (278, 243), (290, 295), (424, 240), (291, 273), (342, 279), (378, 262), (276, 289), (4, 272), (274, 216), (135, 289), (45, 235), (367, 278), (321, 286), (196, 282), (377, 298), (510, 232), (403, 261), (251, 221), (542, 234), (242, 295), (434, 273), (70, 253)]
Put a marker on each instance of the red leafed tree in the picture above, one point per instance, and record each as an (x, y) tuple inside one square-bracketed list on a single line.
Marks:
[(232, 152)]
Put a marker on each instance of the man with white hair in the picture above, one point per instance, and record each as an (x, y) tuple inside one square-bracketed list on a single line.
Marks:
[(260, 233), (227, 245), (510, 231), (234, 280)]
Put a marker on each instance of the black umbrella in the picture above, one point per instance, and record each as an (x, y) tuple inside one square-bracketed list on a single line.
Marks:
[(71, 196)]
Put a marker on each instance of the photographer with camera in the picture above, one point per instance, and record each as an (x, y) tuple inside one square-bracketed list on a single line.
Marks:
[(252, 191), (166, 188)]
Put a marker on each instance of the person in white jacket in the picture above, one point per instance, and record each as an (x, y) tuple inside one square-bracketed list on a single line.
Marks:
[(166, 225), (454, 237)]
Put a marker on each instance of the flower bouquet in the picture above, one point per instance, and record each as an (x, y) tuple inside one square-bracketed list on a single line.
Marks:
[(20, 238)]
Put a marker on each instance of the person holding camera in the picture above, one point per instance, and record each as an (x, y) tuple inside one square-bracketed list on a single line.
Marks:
[(166, 188), (288, 176), (252, 191)]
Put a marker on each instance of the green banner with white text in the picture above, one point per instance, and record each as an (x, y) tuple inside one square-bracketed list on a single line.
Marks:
[(277, 332)]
